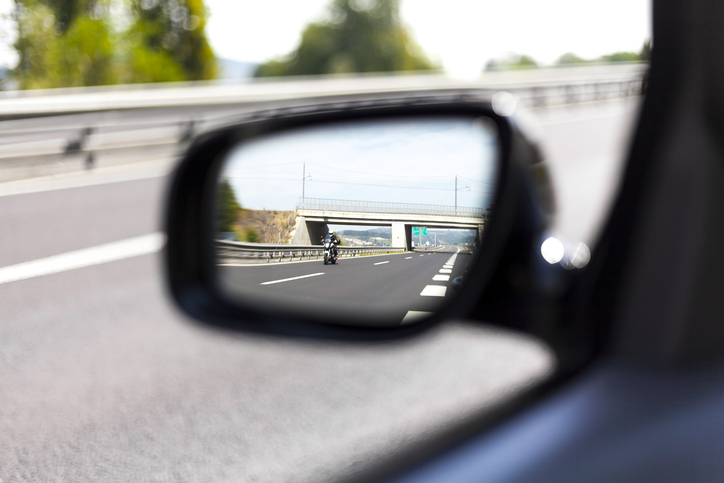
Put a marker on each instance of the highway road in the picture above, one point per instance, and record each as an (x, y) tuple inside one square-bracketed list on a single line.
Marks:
[(380, 289), (103, 380)]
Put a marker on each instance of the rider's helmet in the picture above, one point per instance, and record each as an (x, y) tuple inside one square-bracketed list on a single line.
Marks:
[(331, 232)]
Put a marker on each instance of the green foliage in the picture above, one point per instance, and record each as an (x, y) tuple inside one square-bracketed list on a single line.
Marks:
[(144, 65), (85, 54), (67, 43), (77, 51), (621, 57), (645, 53), (227, 207), (569, 58), (170, 32), (511, 61), (526, 61), (250, 235), (362, 36)]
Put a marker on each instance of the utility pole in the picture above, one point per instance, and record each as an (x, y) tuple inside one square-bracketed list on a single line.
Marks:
[(466, 187), (304, 180)]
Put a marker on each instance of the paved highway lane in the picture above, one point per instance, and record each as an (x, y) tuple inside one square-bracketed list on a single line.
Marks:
[(50, 222), (380, 289), (103, 380)]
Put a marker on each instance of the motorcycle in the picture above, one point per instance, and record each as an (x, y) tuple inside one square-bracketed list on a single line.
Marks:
[(330, 250)]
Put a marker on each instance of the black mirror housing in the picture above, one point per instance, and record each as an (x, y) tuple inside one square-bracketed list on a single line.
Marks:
[(505, 278)]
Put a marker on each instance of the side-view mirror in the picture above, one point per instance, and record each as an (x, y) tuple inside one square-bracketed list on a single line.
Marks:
[(370, 218)]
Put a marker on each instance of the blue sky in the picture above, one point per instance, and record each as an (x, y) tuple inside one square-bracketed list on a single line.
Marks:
[(410, 161)]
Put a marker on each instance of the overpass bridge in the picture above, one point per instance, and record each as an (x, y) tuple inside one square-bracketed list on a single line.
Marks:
[(314, 215)]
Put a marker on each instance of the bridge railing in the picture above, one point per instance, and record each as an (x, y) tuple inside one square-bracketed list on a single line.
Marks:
[(231, 251), (321, 204)]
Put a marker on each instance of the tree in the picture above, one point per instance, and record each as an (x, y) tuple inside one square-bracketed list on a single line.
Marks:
[(250, 236), (526, 61), (167, 42), (569, 58), (645, 53), (621, 57), (63, 43), (511, 61), (362, 36), (66, 43), (227, 207)]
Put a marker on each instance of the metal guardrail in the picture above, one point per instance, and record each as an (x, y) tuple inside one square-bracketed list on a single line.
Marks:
[(61, 130), (321, 204), (266, 253)]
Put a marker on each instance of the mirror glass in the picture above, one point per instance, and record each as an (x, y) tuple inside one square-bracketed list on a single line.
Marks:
[(362, 222)]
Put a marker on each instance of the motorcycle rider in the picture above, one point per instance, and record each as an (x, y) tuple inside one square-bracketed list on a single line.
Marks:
[(335, 241)]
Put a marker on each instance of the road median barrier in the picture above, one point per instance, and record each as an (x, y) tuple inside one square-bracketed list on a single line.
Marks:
[(256, 253)]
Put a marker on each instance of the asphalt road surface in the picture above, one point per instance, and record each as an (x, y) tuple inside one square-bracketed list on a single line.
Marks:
[(371, 290), (101, 379)]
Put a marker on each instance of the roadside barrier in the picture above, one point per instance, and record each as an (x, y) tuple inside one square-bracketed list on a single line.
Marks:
[(228, 251)]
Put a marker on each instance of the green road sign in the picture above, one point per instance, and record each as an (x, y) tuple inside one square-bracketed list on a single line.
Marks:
[(424, 231), (415, 230)]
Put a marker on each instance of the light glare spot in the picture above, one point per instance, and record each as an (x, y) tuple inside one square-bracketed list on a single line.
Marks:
[(552, 250), (504, 103), (580, 255)]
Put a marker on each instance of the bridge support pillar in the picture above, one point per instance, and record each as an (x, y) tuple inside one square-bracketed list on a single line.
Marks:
[(399, 236), (309, 232)]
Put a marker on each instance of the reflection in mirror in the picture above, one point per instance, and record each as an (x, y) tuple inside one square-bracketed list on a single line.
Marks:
[(373, 221)]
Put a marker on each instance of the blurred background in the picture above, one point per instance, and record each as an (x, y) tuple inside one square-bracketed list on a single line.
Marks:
[(67, 43), (102, 379)]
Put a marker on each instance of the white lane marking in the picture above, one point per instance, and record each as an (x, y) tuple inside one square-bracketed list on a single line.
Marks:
[(413, 316), (381, 263), (86, 257), (445, 270), (422, 255), (290, 279), (434, 291), (449, 267), (407, 258), (441, 278)]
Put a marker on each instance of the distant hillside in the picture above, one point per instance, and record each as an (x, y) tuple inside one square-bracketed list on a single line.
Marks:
[(265, 226), (380, 232), (234, 71)]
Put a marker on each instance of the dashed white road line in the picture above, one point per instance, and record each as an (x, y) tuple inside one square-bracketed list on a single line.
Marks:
[(381, 263), (445, 270), (413, 316), (407, 258), (86, 257), (290, 279), (434, 291), (441, 278)]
